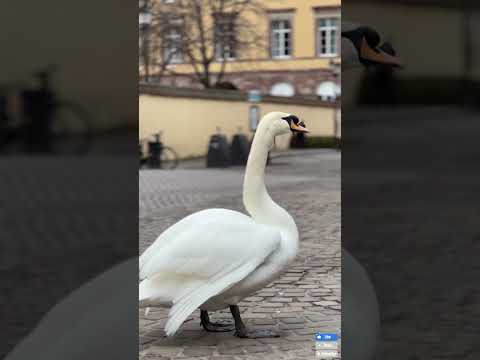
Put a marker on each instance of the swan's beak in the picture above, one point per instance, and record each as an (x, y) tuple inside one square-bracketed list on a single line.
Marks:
[(378, 56), (300, 127)]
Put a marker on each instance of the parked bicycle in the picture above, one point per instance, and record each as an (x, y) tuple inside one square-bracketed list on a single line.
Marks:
[(158, 156), (44, 123)]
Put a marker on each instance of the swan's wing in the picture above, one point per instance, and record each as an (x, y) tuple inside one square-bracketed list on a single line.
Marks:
[(178, 229), (208, 258)]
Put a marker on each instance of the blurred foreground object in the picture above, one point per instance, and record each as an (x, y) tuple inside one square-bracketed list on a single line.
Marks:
[(93, 322)]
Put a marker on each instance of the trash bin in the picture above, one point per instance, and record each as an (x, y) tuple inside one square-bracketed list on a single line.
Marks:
[(218, 152), (239, 149)]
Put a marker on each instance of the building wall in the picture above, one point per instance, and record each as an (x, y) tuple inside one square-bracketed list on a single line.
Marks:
[(187, 123), (300, 69), (305, 82)]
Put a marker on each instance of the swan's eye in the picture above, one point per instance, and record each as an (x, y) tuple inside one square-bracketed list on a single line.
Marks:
[(290, 119)]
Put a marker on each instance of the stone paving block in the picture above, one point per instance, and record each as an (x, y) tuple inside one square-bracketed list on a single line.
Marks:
[(291, 326), (264, 322), (280, 299), (199, 351), (294, 320), (254, 298)]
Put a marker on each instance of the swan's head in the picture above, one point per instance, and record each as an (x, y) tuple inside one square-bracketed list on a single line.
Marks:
[(361, 45), (279, 123)]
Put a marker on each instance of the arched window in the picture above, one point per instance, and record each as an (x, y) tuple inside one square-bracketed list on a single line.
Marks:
[(282, 89), (328, 91)]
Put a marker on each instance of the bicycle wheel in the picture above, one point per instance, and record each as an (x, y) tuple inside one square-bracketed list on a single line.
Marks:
[(70, 129), (168, 158)]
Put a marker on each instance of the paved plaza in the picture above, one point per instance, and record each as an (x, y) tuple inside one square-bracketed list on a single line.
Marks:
[(305, 300)]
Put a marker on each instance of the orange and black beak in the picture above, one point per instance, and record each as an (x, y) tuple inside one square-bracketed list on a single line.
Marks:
[(299, 127), (377, 55), (295, 124)]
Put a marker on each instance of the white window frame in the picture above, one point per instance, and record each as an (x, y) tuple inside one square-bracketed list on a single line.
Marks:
[(172, 37), (284, 86), (329, 15), (226, 49), (336, 90), (280, 54)]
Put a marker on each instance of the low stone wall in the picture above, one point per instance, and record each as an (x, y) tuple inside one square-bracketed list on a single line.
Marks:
[(188, 117)]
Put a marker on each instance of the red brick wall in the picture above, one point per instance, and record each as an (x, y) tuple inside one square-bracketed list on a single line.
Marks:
[(305, 82)]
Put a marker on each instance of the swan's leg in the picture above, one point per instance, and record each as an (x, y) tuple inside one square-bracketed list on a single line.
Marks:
[(213, 327), (242, 332)]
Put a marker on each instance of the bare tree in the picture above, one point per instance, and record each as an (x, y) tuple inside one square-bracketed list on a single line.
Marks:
[(201, 33)]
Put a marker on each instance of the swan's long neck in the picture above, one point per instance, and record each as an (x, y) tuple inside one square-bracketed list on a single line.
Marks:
[(256, 199)]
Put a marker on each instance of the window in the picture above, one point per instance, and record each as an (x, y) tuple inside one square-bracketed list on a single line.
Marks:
[(144, 19), (172, 49), (327, 36), (282, 89), (144, 14), (224, 37), (140, 50), (281, 38), (328, 91)]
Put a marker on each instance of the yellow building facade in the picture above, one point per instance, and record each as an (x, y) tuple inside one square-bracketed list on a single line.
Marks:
[(187, 118), (300, 53)]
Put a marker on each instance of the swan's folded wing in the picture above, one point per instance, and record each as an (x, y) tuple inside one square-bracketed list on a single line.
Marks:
[(207, 260), (191, 226)]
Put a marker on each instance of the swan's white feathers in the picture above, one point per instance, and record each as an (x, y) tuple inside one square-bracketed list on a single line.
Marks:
[(201, 256), (203, 291)]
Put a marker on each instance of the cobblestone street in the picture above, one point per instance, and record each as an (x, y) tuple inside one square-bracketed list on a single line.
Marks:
[(305, 300)]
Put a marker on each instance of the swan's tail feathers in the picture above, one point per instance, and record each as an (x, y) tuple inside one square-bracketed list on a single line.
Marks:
[(199, 292), (179, 313)]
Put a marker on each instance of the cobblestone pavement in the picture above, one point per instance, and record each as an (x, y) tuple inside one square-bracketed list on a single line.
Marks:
[(306, 299)]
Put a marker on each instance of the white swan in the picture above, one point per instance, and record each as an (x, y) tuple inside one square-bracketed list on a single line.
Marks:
[(214, 258)]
